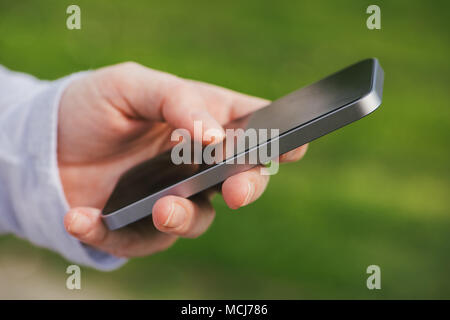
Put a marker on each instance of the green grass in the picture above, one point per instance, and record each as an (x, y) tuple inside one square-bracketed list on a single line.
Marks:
[(375, 192)]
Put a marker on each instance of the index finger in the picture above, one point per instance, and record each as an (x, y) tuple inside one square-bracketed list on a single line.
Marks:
[(227, 105)]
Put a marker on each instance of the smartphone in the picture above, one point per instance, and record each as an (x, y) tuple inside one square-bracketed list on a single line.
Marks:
[(299, 117)]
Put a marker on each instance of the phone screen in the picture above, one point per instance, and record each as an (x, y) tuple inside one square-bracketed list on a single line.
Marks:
[(287, 113)]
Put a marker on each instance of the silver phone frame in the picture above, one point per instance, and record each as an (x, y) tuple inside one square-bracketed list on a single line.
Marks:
[(292, 139)]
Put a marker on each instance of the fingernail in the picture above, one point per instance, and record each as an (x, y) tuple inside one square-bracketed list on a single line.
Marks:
[(176, 216), (250, 192), (79, 224)]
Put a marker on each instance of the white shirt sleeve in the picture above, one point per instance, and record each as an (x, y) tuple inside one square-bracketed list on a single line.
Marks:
[(32, 201)]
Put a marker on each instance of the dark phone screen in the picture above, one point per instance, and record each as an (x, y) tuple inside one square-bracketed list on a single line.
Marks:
[(284, 114)]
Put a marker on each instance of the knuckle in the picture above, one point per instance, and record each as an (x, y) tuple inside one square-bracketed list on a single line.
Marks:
[(92, 238), (129, 66), (116, 74), (126, 247), (194, 233), (128, 250), (198, 225), (119, 126)]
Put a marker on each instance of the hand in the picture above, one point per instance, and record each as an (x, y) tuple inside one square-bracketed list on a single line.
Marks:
[(118, 116)]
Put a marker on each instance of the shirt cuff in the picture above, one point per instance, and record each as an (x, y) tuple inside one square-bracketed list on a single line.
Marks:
[(44, 204)]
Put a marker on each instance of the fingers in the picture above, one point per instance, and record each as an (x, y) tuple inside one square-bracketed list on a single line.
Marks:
[(183, 217), (143, 93), (294, 155), (85, 224), (244, 188), (173, 216), (185, 108), (138, 239)]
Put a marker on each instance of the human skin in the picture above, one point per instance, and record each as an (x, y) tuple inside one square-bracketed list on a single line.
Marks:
[(118, 116)]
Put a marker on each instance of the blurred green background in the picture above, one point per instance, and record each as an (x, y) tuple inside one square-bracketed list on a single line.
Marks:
[(375, 192)]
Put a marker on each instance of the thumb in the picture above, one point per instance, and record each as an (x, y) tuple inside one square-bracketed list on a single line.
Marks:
[(158, 96)]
